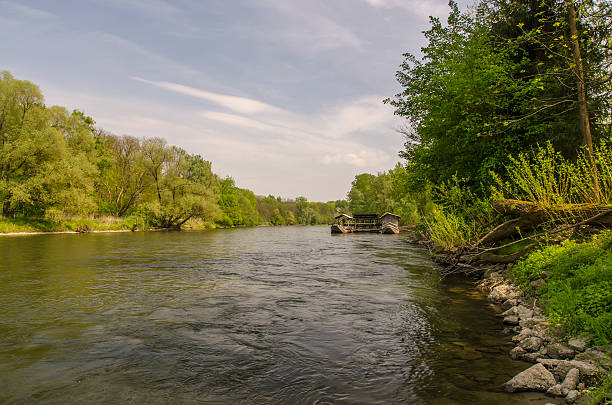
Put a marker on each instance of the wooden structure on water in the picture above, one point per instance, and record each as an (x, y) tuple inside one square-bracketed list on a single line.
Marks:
[(385, 223)]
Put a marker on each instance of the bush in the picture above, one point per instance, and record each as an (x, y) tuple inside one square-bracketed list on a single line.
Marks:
[(578, 292)]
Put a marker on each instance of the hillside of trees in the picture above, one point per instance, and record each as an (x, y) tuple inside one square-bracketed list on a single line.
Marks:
[(56, 164)]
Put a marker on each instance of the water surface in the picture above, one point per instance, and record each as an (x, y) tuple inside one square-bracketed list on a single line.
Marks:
[(258, 316)]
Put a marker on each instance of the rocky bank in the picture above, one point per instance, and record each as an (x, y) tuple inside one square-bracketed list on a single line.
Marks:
[(562, 367)]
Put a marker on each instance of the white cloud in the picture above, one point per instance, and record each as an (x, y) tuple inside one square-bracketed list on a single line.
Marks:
[(234, 103)]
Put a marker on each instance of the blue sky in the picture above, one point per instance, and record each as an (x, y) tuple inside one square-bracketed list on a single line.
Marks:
[(283, 95)]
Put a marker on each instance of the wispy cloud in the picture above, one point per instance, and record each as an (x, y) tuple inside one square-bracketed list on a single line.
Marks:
[(239, 104)]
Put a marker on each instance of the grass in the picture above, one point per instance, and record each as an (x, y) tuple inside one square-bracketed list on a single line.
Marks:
[(578, 290), (27, 224)]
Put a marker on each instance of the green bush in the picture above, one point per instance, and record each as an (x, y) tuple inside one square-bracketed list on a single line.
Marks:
[(578, 292)]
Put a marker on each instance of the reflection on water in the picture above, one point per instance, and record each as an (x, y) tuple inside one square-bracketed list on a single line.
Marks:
[(262, 315)]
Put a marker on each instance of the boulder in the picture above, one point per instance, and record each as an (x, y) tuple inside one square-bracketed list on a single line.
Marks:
[(509, 304), (517, 353), (511, 320), (559, 351), (510, 311), (578, 343), (569, 384), (572, 396), (600, 356), (523, 334), (560, 368), (531, 344), (503, 292), (535, 378), (531, 322), (524, 312)]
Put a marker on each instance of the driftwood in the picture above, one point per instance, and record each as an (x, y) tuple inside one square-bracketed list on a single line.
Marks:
[(528, 217)]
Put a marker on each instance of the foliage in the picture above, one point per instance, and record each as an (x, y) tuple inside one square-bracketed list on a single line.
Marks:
[(484, 90), (546, 178), (578, 292)]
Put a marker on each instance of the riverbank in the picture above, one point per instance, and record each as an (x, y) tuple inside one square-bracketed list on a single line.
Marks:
[(556, 302)]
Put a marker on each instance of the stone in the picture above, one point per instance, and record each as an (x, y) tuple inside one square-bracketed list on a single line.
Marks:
[(503, 292), (560, 368), (511, 320), (524, 312), (571, 380), (600, 356), (537, 284), (533, 357), (531, 344), (517, 353), (572, 396), (510, 311), (509, 304), (578, 343), (531, 322), (535, 378), (559, 351), (523, 334), (556, 390)]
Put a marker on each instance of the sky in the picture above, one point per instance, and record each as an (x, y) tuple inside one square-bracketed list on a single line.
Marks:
[(285, 96)]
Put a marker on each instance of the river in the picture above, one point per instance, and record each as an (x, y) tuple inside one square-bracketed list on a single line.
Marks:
[(285, 315)]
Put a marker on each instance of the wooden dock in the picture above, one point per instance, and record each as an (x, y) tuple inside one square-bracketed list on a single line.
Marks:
[(386, 223)]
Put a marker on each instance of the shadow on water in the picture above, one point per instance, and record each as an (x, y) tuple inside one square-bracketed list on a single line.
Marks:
[(262, 315)]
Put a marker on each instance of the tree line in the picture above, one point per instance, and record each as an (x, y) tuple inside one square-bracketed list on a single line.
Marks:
[(55, 163), (505, 78)]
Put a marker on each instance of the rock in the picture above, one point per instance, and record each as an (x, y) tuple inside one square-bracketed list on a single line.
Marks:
[(572, 396), (542, 331), (531, 344), (531, 322), (533, 357), (538, 312), (510, 311), (523, 334), (511, 320), (524, 312), (517, 352), (578, 343), (556, 390), (537, 284), (560, 368), (535, 378), (503, 292), (600, 356), (559, 351), (571, 380), (509, 304)]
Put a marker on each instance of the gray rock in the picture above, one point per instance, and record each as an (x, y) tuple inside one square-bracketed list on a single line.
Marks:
[(560, 368), (504, 292), (524, 312), (600, 356), (535, 378), (510, 311), (531, 344), (509, 304), (531, 322), (559, 351), (533, 357), (578, 343), (556, 390), (537, 284), (517, 352), (511, 320), (572, 396), (524, 333), (571, 380)]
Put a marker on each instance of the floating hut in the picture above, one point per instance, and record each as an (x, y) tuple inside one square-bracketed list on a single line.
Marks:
[(385, 223)]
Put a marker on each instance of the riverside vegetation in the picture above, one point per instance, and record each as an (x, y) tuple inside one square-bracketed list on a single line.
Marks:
[(508, 176), (59, 172)]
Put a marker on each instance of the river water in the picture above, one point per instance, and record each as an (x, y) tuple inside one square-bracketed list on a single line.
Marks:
[(285, 315)]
